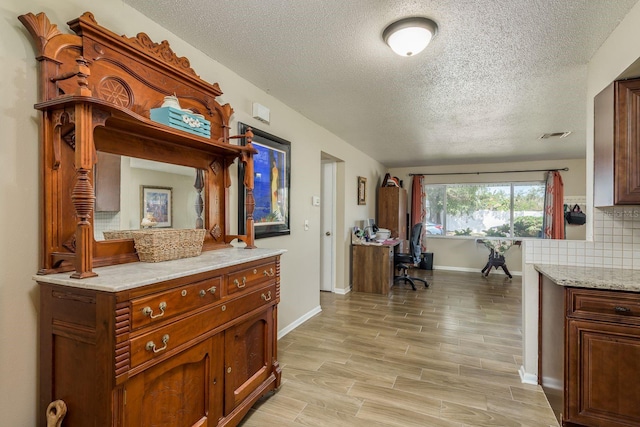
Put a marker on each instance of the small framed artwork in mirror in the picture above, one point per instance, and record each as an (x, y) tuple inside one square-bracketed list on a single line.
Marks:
[(362, 190), (156, 205)]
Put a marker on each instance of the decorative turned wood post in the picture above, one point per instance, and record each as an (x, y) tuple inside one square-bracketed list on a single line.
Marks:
[(83, 196), (199, 185), (250, 201)]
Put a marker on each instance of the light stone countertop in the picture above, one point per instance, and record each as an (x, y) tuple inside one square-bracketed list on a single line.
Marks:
[(132, 275), (617, 279)]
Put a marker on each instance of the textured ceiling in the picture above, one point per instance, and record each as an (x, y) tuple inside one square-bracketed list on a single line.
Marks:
[(499, 73)]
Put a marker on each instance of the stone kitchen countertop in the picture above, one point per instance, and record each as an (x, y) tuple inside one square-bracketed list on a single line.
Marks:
[(121, 277), (617, 279)]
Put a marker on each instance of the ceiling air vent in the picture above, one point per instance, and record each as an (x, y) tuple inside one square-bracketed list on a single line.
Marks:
[(554, 135)]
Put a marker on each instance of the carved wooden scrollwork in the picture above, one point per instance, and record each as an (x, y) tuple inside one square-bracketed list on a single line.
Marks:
[(215, 167), (62, 119), (163, 51), (40, 28), (216, 232), (70, 243), (115, 91)]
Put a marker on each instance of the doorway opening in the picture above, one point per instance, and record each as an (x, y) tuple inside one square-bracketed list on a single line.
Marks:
[(332, 264)]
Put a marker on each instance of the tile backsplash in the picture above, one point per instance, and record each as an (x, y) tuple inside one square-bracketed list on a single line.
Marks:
[(616, 243), (105, 221)]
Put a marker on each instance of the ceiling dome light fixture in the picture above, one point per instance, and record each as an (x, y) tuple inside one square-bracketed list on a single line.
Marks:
[(409, 36)]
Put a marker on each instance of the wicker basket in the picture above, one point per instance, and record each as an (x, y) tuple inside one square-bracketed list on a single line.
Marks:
[(163, 245)]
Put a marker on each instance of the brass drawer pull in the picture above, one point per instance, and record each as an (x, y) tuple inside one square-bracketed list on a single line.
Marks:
[(148, 311), (269, 273), (151, 346), (244, 282), (622, 309), (212, 290), (266, 297)]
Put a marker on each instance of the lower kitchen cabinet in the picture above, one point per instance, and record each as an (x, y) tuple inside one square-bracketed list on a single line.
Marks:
[(589, 349), (603, 370)]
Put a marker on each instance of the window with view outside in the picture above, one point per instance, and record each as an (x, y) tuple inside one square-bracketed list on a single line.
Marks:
[(511, 209)]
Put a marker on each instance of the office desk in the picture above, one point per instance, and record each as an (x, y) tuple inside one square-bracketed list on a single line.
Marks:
[(372, 267)]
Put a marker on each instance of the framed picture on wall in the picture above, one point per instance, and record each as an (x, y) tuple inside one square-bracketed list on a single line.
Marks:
[(157, 202), (362, 190), (271, 185)]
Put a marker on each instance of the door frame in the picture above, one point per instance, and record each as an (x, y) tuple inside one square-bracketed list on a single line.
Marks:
[(328, 224)]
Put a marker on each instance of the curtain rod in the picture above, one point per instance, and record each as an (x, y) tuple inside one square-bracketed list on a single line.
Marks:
[(478, 173)]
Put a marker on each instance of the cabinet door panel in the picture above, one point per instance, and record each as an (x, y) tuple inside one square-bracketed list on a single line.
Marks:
[(603, 386), (179, 392), (627, 142), (247, 357)]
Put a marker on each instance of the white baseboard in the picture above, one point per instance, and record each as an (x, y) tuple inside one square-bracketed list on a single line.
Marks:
[(299, 321), (527, 378), (342, 291), (471, 270)]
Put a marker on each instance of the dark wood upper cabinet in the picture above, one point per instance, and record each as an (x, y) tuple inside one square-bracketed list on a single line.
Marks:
[(617, 144)]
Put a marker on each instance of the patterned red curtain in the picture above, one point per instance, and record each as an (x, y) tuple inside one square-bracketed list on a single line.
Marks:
[(553, 222), (418, 206)]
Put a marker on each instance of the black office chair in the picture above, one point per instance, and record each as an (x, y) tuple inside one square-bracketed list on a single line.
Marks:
[(402, 261)]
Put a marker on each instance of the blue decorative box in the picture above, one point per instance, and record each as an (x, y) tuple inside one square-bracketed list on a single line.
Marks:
[(183, 120)]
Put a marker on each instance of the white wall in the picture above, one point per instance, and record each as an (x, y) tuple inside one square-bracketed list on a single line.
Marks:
[(608, 230), (19, 186), (462, 253)]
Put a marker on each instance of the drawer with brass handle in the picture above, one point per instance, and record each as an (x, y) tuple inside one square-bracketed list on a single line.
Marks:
[(162, 305), (165, 339), (249, 277)]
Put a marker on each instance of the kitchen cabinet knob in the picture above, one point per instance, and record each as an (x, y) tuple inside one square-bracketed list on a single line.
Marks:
[(328, 233)]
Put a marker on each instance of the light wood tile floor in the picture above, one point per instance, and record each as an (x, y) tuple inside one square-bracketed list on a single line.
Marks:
[(444, 356)]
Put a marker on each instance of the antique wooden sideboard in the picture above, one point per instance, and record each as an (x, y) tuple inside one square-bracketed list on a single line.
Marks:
[(187, 342)]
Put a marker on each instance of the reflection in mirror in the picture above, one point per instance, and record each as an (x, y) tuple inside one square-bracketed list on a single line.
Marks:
[(121, 183)]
